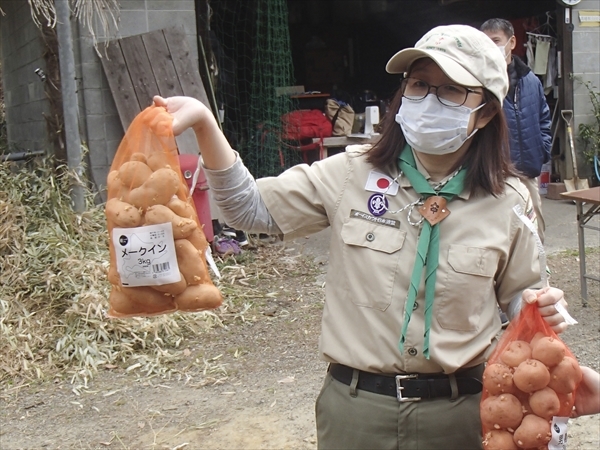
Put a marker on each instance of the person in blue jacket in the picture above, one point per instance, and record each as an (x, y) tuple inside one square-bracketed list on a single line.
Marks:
[(526, 112)]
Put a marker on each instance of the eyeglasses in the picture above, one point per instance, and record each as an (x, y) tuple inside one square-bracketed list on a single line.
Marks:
[(452, 95)]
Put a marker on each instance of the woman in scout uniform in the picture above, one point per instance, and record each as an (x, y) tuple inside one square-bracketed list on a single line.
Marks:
[(431, 232)]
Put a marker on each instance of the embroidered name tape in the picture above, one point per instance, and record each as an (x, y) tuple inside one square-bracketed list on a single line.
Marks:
[(373, 219)]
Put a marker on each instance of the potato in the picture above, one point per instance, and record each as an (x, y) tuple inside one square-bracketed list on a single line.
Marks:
[(149, 298), (172, 288), (501, 411), (515, 353), (498, 378), (138, 157), (565, 377), (531, 375), (142, 198), (524, 399), (548, 350), (158, 214), (160, 160), (198, 240), (544, 403), (199, 297), (134, 173), (161, 124), (122, 305), (499, 440), (112, 177), (534, 432), (164, 179), (536, 337), (113, 183), (122, 214), (113, 276), (566, 405), (158, 189), (182, 208), (114, 187), (190, 262)]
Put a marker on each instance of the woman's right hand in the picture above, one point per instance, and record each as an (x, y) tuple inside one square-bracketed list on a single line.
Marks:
[(188, 112), (587, 396)]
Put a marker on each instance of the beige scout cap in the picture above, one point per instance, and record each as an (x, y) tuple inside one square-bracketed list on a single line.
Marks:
[(464, 53)]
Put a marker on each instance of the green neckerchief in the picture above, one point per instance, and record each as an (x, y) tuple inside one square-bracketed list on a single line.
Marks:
[(428, 246)]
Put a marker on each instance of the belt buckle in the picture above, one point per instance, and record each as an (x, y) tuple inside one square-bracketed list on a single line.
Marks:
[(399, 388)]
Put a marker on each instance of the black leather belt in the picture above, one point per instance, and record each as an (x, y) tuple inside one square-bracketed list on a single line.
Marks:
[(411, 387)]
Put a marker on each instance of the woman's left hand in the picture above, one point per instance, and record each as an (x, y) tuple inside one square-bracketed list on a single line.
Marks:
[(546, 299)]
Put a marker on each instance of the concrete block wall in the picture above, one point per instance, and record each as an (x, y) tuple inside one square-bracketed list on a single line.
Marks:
[(586, 67), (102, 126), (25, 99)]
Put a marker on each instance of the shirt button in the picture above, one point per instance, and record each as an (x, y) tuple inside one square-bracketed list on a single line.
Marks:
[(415, 306), (412, 351), (370, 237)]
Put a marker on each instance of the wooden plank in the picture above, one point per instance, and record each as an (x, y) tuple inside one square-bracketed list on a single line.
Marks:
[(120, 84), (168, 80), (158, 62), (189, 77), (140, 70), (161, 62)]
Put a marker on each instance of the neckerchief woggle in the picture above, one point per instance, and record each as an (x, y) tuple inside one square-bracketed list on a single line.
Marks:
[(428, 245)]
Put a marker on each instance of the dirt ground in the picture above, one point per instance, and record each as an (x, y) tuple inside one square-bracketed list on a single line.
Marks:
[(262, 396)]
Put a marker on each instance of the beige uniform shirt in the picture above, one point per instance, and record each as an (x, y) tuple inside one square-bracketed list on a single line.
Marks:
[(487, 257)]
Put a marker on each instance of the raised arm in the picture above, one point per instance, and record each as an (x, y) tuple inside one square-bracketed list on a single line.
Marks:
[(187, 113)]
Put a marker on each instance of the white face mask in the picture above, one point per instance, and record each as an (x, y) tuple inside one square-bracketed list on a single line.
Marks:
[(430, 127), (502, 49)]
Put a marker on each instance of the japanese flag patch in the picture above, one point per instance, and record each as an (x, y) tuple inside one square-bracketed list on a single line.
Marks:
[(378, 182)]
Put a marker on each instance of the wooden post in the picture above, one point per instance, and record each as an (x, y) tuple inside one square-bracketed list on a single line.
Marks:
[(565, 100)]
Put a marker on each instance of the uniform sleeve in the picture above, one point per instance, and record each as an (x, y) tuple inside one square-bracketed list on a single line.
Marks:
[(235, 192), (303, 199), (522, 269)]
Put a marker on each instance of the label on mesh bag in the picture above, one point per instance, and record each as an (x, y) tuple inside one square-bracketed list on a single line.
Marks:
[(559, 434), (146, 255)]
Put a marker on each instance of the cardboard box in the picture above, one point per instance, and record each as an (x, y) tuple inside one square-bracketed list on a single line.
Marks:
[(554, 190)]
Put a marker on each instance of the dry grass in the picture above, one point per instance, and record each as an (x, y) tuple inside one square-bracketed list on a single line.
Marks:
[(53, 291), (3, 138), (99, 17)]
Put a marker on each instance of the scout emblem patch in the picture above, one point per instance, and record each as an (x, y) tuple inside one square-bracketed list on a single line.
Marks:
[(378, 204)]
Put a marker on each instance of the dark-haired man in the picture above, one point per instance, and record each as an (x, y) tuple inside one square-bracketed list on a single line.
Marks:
[(526, 112)]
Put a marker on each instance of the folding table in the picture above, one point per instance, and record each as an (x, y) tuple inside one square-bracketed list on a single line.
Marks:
[(590, 198)]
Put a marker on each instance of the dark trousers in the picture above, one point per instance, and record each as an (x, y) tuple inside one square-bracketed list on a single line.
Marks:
[(354, 419)]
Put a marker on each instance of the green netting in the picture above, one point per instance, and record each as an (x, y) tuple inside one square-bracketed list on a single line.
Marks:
[(251, 47)]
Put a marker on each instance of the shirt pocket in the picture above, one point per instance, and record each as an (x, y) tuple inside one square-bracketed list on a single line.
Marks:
[(371, 260), (468, 285)]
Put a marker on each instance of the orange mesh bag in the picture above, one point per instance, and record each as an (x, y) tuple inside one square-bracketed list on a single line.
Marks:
[(157, 246), (529, 386)]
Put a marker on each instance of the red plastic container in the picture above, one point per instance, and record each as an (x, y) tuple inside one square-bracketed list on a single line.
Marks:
[(188, 165)]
